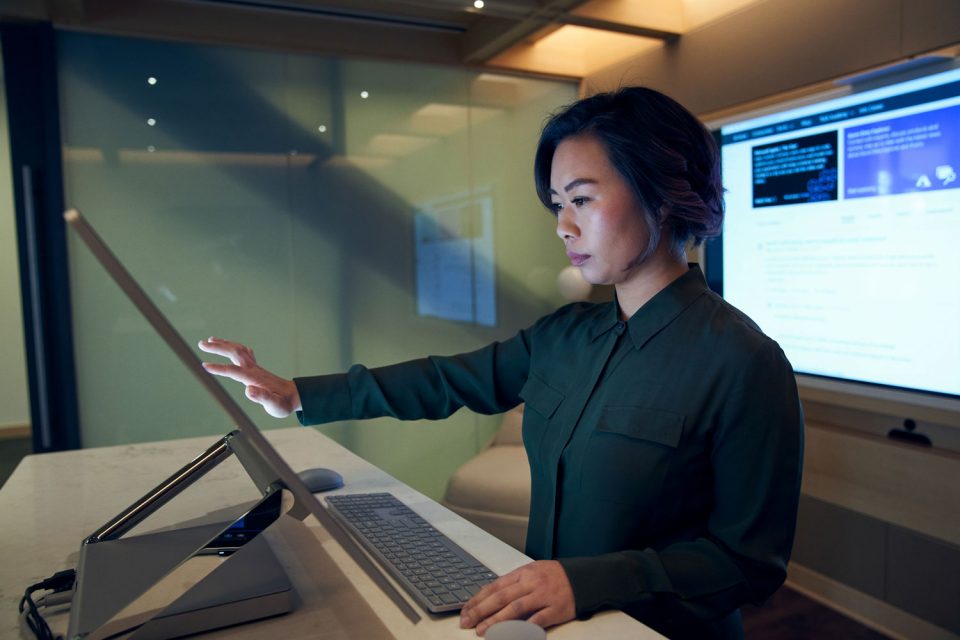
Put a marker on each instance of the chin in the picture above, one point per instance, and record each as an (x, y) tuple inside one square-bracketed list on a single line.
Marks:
[(589, 277), (597, 280)]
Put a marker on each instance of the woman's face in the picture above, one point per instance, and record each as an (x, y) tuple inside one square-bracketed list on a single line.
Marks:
[(599, 219)]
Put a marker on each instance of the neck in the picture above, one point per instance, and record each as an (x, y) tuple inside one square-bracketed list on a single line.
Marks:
[(649, 278)]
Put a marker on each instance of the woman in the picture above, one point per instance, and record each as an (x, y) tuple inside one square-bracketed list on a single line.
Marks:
[(663, 429)]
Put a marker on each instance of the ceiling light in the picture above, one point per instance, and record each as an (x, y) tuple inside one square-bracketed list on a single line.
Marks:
[(478, 4), (151, 80), (151, 122), (575, 51), (364, 94), (322, 128)]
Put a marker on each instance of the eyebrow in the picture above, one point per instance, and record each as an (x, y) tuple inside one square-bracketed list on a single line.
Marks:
[(576, 183)]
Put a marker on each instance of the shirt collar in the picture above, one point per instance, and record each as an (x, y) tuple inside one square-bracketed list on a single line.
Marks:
[(658, 311), (609, 318)]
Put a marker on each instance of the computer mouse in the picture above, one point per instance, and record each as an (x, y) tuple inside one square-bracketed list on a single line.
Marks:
[(515, 630), (320, 479)]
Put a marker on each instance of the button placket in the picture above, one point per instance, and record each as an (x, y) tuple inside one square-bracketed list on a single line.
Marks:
[(576, 405)]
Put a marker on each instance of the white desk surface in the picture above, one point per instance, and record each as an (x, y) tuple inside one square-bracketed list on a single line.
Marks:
[(52, 501)]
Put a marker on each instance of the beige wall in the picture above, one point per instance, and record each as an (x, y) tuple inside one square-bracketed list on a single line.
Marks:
[(780, 45)]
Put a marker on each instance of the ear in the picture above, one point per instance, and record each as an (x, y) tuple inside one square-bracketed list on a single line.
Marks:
[(664, 214)]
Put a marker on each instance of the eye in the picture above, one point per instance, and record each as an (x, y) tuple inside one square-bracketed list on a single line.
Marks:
[(579, 201), (555, 208)]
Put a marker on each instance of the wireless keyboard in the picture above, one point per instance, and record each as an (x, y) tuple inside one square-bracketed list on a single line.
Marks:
[(436, 572)]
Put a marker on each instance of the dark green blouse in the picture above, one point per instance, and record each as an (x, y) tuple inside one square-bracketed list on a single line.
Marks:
[(665, 452)]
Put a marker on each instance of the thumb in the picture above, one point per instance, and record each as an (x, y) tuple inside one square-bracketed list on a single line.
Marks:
[(271, 402), (257, 394)]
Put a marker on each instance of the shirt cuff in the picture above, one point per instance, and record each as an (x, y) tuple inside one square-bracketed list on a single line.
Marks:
[(600, 582), (323, 399)]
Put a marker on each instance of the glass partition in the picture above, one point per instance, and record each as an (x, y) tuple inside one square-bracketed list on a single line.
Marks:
[(14, 401), (272, 198)]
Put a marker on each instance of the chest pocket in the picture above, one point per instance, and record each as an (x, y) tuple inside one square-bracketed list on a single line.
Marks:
[(628, 454), (540, 404)]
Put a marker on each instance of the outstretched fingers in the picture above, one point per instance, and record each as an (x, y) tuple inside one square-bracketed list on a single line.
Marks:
[(232, 371), (239, 354), (279, 396)]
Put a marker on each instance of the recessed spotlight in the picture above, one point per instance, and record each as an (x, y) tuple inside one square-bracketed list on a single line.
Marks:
[(151, 80), (322, 128), (151, 122), (364, 94), (478, 4)]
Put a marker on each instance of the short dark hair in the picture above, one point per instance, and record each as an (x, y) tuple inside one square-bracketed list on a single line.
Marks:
[(663, 151)]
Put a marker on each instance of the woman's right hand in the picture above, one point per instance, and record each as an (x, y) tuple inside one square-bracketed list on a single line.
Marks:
[(278, 396)]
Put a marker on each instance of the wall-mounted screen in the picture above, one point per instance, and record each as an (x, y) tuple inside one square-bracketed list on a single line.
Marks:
[(842, 230)]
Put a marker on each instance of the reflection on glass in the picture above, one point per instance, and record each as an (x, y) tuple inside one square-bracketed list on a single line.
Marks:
[(275, 205)]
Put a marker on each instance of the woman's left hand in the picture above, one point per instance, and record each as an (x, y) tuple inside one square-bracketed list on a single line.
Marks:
[(539, 591)]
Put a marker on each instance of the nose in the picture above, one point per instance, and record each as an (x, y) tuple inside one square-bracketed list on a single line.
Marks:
[(566, 228)]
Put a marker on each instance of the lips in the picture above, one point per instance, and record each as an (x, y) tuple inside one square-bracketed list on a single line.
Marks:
[(577, 259)]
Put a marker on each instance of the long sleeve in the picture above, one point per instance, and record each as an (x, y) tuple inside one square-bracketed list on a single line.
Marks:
[(665, 452), (756, 461), (486, 381)]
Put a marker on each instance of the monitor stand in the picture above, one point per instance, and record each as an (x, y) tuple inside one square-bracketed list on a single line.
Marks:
[(248, 585), (173, 583)]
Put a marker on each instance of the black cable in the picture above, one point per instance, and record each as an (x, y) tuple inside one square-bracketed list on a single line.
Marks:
[(58, 582)]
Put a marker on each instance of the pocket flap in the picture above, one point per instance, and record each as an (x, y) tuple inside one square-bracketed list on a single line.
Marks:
[(662, 427), (541, 397)]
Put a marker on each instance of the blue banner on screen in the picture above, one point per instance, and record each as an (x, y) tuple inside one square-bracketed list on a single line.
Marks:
[(840, 238), (920, 152), (795, 171)]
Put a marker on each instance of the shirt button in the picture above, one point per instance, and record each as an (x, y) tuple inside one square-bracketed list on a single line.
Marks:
[(619, 328)]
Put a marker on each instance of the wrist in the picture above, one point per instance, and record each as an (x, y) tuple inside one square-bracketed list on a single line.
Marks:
[(295, 403)]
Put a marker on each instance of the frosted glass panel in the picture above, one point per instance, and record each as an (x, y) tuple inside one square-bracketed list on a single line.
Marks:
[(14, 402), (259, 196)]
